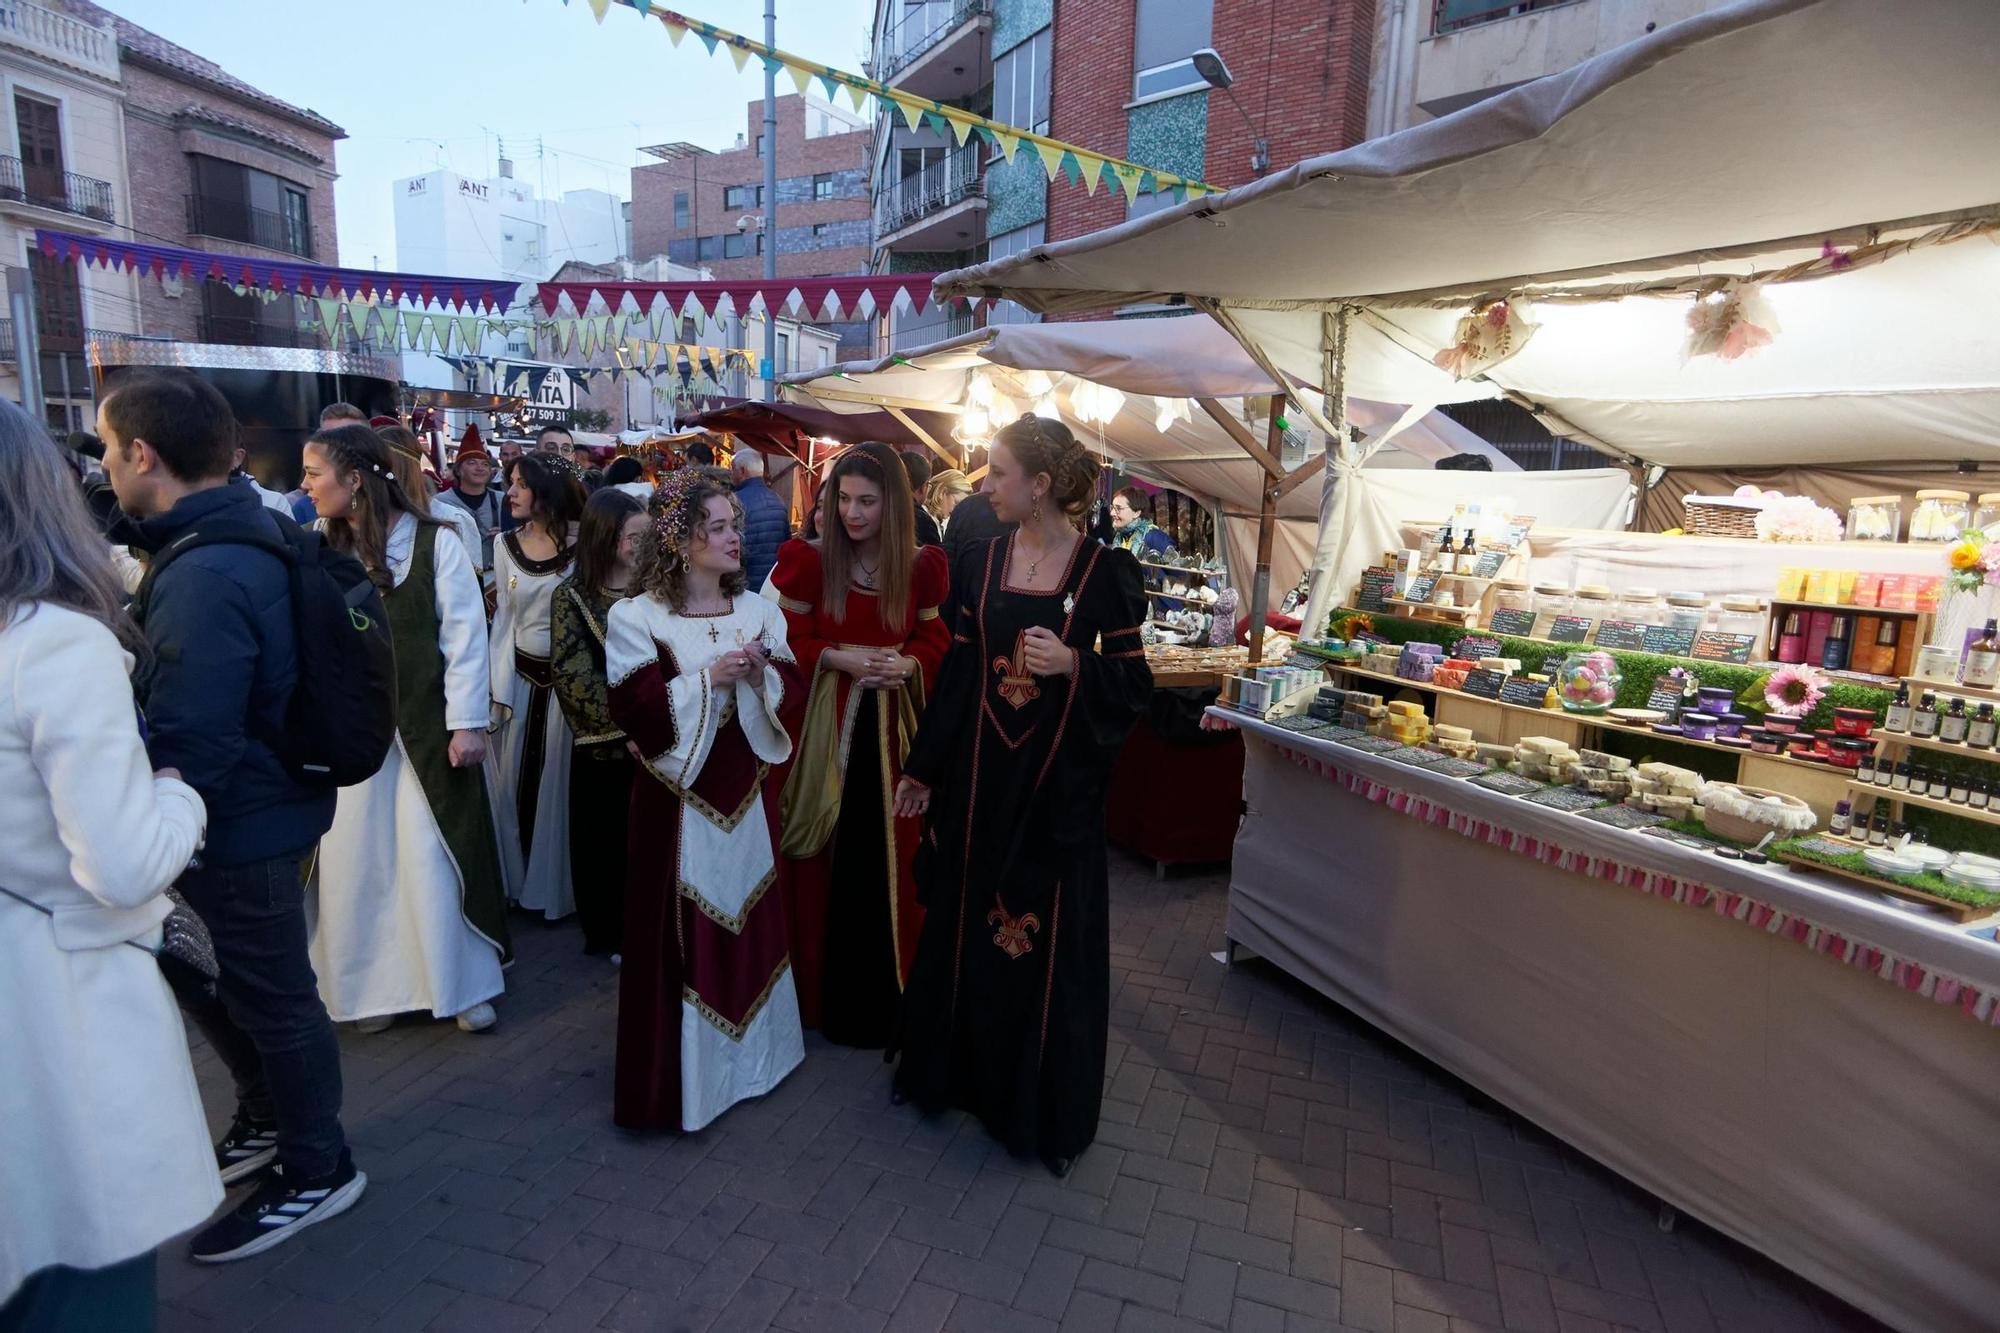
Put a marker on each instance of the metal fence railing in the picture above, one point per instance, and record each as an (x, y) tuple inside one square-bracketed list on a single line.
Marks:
[(64, 191), (936, 187), (233, 220), (1451, 15), (921, 27)]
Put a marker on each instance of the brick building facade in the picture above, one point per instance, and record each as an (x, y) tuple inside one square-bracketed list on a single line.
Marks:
[(688, 206), (216, 164)]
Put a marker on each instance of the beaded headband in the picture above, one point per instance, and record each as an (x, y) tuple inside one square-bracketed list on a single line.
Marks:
[(670, 504)]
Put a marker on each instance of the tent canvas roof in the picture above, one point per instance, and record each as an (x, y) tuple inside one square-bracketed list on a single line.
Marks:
[(1730, 142)]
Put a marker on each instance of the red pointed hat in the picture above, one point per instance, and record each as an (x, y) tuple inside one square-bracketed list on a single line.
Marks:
[(470, 443)]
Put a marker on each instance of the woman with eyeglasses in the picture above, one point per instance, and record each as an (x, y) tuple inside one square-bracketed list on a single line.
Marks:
[(529, 777), (105, 1152)]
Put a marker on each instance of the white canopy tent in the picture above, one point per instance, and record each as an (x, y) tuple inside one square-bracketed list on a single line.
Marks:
[(1176, 360), (1760, 135)]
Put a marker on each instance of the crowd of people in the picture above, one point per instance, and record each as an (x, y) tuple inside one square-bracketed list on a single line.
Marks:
[(850, 780)]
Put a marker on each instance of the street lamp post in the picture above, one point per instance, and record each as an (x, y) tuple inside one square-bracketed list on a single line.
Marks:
[(770, 209), (1209, 64)]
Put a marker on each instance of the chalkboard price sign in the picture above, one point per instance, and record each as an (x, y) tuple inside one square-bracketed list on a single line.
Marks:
[(1516, 623), (1711, 646), (1570, 629), (1484, 683), (1520, 690), (1627, 634), (1668, 642), (1489, 564), (1375, 585), (1475, 646), (1666, 695), (1421, 588)]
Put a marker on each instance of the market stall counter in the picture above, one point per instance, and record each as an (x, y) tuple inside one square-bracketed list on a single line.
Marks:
[(1803, 1066)]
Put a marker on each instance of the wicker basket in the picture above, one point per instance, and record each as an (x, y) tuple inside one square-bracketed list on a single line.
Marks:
[(1721, 516), (1738, 829)]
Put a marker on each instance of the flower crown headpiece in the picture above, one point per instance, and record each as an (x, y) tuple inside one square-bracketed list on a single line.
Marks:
[(671, 501), (559, 465)]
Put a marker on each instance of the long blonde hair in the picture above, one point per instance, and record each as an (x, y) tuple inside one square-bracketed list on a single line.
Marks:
[(879, 464), (406, 452), (50, 550), (948, 482)]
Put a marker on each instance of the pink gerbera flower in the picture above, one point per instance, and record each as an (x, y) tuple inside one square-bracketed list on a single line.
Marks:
[(1793, 691)]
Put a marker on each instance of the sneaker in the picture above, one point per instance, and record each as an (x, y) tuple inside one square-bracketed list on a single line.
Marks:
[(375, 1023), (478, 1018), (246, 1150), (279, 1210)]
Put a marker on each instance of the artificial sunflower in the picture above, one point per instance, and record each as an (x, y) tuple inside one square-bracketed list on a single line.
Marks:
[(1964, 555)]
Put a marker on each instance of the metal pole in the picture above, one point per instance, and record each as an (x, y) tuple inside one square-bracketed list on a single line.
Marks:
[(27, 338), (771, 196)]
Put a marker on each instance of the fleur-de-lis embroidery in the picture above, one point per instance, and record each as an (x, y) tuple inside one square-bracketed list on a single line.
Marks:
[(1012, 932), (1017, 684)]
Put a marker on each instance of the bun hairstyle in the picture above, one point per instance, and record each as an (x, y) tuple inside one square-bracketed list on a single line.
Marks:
[(364, 531), (557, 488), (1043, 444)]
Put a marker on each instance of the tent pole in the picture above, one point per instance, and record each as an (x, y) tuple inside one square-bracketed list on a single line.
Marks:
[(923, 435), (1267, 526)]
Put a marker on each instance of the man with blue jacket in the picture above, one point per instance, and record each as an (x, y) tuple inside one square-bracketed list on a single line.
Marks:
[(767, 524), (224, 663)]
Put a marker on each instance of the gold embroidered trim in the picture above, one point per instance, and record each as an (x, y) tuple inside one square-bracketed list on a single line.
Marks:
[(732, 924), (735, 1031), (927, 613), (796, 607), (727, 823), (597, 740)]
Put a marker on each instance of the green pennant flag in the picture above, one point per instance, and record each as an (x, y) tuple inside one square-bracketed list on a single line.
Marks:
[(468, 333), (329, 314), (707, 39), (643, 6), (771, 63), (832, 88), (565, 335), (413, 322), (1148, 183), (1073, 168)]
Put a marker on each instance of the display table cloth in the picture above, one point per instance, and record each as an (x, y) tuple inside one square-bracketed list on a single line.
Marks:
[(1808, 1069)]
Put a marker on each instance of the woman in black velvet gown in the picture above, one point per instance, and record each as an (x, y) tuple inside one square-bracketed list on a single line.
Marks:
[(1009, 997)]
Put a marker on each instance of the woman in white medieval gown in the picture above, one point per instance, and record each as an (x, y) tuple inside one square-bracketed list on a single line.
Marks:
[(409, 913), (528, 772)]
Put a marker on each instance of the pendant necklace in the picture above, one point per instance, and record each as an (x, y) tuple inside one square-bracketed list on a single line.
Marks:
[(867, 574)]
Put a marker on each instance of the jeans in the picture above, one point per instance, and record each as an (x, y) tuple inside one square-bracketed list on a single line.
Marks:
[(117, 1299), (267, 1021)]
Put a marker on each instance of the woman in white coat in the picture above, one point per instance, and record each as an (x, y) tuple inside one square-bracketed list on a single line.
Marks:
[(105, 1151), (409, 912), (529, 771)]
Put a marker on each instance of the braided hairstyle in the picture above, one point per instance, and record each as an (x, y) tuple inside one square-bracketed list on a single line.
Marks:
[(678, 507), (1043, 444), (363, 532)]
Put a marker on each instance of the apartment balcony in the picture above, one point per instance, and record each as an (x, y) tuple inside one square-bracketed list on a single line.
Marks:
[(942, 207), (233, 220), (59, 38), (1476, 49), (7, 352), (937, 49), (55, 191)]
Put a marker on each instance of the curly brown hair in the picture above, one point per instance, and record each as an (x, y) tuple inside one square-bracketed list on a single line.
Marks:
[(1043, 444), (677, 509)]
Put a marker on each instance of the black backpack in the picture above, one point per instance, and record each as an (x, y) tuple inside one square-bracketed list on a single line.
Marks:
[(342, 717)]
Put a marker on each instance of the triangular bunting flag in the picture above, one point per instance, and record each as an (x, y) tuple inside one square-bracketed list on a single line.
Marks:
[(1090, 167), (708, 40), (913, 112), (801, 77), (468, 333), (565, 330), (740, 54), (329, 314), (1148, 183), (675, 31), (599, 8), (1051, 155), (961, 128), (643, 6), (771, 63), (412, 321), (1009, 144), (832, 88), (857, 95), (1128, 178)]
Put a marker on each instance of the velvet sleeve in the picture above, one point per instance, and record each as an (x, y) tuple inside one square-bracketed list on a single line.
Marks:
[(673, 719), (953, 707), (930, 633), (796, 578), (1113, 683)]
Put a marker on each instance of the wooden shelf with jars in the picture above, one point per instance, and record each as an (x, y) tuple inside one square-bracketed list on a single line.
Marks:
[(1909, 631)]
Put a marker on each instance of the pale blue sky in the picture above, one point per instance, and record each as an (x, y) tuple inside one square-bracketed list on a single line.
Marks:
[(425, 83)]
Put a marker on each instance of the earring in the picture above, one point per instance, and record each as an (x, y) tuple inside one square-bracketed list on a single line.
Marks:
[(1036, 515)]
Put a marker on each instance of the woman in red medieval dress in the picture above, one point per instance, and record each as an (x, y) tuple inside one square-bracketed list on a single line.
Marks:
[(861, 613), (698, 669)]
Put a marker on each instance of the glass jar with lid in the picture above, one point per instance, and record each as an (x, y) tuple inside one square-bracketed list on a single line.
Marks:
[(1741, 615), (1875, 518), (1551, 600), (1641, 606), (1940, 515), (1513, 595), (1687, 611), (1988, 512), (1593, 601)]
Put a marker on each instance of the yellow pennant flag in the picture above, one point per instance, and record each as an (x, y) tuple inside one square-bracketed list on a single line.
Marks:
[(913, 112), (675, 31), (1051, 155), (961, 128), (801, 77), (1128, 176), (1010, 144), (600, 8), (1093, 167), (740, 54), (857, 95)]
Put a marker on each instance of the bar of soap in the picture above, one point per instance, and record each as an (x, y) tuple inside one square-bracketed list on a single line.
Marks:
[(1452, 733), (1406, 708)]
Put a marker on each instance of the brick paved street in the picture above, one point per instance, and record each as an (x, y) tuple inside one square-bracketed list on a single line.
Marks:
[(1266, 1162)]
